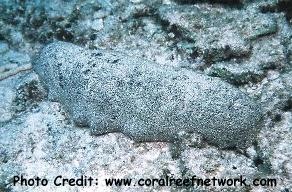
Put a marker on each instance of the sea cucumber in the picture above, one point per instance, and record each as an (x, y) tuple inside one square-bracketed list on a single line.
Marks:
[(112, 92)]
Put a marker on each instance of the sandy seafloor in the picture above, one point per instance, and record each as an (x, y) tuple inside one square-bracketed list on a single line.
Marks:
[(244, 42)]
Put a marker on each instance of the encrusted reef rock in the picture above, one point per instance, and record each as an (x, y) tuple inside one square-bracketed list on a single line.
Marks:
[(218, 33), (110, 91)]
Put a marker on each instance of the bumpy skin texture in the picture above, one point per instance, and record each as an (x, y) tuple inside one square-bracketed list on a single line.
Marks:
[(109, 91)]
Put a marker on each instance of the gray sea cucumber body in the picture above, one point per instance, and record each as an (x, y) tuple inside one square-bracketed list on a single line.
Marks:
[(110, 91)]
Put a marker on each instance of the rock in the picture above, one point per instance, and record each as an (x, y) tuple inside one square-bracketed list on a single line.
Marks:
[(265, 56), (287, 80), (227, 2), (144, 100), (218, 33), (6, 97), (275, 150), (277, 96), (97, 24), (272, 6), (214, 163), (269, 54), (3, 47), (39, 144), (290, 53), (14, 57), (29, 93), (237, 73)]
